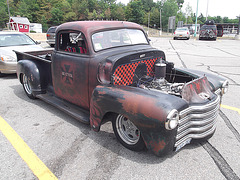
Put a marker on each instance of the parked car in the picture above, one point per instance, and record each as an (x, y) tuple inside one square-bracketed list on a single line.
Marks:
[(219, 30), (181, 33), (51, 35), (107, 71), (10, 41), (208, 32)]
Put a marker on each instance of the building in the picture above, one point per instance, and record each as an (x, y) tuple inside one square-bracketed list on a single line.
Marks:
[(20, 24), (36, 27)]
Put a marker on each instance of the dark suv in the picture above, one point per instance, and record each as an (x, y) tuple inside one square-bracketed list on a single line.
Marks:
[(51, 35), (208, 31)]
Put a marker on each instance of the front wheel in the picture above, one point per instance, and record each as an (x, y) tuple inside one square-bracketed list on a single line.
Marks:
[(127, 133), (27, 87)]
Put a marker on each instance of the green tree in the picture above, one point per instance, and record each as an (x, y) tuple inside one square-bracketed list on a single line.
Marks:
[(134, 11), (170, 8), (180, 3), (3, 14)]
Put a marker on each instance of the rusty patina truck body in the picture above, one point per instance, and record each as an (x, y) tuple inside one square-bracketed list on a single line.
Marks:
[(105, 71)]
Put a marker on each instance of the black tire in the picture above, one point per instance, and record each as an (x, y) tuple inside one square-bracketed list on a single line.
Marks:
[(127, 133), (174, 38), (52, 45), (27, 87)]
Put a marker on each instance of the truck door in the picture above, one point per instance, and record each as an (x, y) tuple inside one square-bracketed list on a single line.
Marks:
[(70, 68)]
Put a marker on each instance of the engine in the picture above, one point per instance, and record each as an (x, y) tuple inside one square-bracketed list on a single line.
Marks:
[(158, 82)]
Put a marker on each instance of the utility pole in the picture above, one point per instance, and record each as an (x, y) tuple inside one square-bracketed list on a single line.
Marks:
[(195, 33), (160, 18), (8, 14), (207, 11)]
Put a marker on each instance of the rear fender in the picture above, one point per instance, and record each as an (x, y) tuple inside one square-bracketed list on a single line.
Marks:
[(147, 109), (32, 70)]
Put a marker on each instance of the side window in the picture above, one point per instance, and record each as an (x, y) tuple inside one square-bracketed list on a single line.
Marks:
[(73, 42)]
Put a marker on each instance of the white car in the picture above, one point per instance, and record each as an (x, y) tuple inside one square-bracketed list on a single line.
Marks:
[(10, 41), (181, 33)]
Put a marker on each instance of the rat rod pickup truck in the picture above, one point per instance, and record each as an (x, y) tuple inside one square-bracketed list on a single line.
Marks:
[(105, 71)]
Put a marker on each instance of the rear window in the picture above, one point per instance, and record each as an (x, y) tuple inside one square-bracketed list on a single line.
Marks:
[(52, 30), (182, 29), (213, 27)]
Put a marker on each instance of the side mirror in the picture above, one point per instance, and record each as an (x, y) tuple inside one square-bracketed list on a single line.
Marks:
[(38, 42)]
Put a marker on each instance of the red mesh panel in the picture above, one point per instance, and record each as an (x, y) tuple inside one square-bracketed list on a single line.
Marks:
[(124, 74)]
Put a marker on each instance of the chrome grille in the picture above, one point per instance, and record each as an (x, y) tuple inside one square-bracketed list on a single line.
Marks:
[(197, 122)]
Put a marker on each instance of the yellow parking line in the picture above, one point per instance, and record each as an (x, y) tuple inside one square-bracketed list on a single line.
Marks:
[(231, 108), (34, 163)]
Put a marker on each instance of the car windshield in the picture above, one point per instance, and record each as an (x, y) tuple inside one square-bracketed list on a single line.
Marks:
[(15, 40), (116, 38)]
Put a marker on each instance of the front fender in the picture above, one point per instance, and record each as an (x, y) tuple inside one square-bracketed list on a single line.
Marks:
[(147, 109)]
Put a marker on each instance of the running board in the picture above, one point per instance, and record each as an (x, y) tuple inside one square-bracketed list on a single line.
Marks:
[(70, 109)]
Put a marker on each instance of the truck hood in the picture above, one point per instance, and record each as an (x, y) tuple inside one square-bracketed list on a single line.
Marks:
[(8, 51)]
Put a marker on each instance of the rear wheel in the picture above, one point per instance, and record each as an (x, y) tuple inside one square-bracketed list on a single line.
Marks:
[(127, 133), (27, 86)]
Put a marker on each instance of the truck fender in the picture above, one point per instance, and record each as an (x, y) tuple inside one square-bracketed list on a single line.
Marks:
[(31, 70), (147, 109)]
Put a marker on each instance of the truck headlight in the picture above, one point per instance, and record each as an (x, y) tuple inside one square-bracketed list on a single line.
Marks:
[(225, 87), (6, 58), (172, 120)]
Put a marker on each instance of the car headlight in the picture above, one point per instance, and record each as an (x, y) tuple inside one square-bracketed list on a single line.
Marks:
[(172, 120), (6, 58), (225, 87)]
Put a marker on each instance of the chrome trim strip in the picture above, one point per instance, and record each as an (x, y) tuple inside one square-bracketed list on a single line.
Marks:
[(198, 116), (197, 123), (196, 130), (196, 136), (200, 108)]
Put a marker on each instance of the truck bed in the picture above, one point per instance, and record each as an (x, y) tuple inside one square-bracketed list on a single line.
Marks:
[(44, 55)]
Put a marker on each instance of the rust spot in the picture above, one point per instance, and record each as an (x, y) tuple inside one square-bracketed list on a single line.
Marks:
[(157, 146), (136, 104)]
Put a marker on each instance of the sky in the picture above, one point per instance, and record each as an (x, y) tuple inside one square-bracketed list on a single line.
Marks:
[(223, 8)]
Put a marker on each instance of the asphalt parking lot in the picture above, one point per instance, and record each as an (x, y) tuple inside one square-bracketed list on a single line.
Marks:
[(71, 150)]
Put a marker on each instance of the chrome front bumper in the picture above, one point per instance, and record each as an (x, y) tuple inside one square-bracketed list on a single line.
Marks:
[(197, 122)]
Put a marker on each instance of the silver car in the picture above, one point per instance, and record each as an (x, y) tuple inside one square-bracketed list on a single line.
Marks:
[(181, 33), (10, 41), (51, 36)]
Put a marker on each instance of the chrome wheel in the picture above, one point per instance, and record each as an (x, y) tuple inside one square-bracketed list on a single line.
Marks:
[(27, 86), (127, 131)]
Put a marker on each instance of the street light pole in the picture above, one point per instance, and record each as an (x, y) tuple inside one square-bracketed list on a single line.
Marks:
[(195, 33)]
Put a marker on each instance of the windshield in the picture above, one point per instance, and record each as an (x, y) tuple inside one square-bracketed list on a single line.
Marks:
[(15, 40), (115, 38)]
